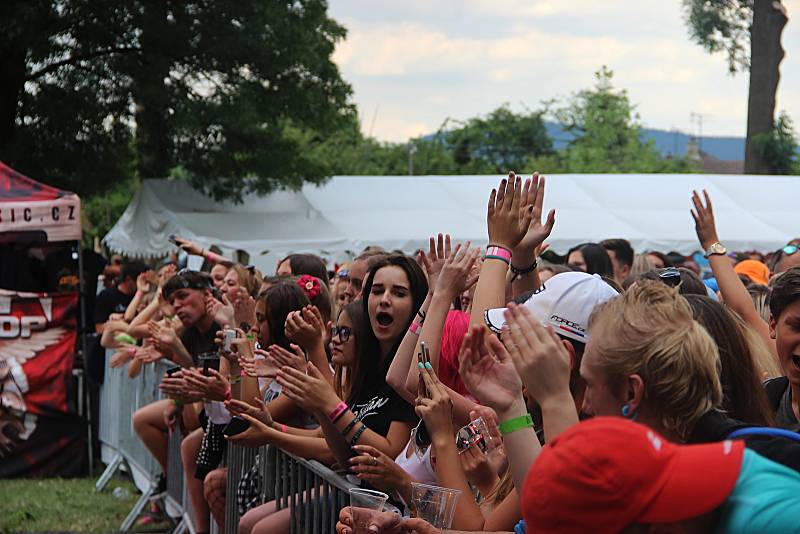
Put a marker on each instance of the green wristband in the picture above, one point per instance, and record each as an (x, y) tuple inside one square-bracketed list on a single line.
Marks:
[(510, 425)]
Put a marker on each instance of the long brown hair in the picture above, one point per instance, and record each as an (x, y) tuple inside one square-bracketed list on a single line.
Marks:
[(743, 397), (343, 375)]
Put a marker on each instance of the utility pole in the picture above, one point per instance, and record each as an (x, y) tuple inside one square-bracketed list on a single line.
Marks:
[(698, 118), (412, 149)]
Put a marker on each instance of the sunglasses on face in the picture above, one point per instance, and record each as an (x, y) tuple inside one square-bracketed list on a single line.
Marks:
[(342, 331), (789, 250)]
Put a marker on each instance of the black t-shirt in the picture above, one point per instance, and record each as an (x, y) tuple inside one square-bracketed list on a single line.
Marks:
[(379, 406), (109, 301), (784, 415), (197, 342)]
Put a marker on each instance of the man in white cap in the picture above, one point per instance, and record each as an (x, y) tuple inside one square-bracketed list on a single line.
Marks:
[(565, 302)]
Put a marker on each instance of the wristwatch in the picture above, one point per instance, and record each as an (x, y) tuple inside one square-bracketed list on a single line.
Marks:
[(716, 248)]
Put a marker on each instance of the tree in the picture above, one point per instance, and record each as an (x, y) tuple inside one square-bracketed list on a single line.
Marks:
[(94, 92), (734, 26), (499, 142), (605, 134), (778, 147)]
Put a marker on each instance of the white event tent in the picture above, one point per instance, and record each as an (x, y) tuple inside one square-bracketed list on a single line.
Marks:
[(346, 214)]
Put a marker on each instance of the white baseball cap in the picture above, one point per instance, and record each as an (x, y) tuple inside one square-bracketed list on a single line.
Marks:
[(565, 302)]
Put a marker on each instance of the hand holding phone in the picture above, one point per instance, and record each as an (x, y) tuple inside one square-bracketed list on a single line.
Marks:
[(236, 426)]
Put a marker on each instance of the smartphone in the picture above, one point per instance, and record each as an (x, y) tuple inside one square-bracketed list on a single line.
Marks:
[(424, 357), (173, 240), (236, 426), (210, 361), (228, 335), (172, 370)]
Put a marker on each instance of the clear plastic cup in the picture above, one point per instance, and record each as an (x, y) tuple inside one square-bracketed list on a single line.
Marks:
[(362, 503), (434, 504)]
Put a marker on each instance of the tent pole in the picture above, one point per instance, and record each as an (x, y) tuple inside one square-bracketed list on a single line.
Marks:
[(85, 390)]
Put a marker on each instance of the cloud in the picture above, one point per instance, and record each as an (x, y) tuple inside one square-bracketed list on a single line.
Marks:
[(460, 58)]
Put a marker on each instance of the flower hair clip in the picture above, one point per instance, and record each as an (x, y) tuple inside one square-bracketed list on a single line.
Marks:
[(310, 285)]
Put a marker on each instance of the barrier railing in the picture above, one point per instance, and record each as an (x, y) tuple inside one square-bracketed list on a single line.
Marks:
[(313, 493)]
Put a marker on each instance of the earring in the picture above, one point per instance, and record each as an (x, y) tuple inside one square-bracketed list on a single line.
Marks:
[(626, 412)]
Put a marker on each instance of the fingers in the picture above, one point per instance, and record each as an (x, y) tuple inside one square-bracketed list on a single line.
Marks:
[(440, 247), (499, 350), (708, 201)]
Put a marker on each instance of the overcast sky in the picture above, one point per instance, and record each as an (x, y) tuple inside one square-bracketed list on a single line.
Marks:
[(419, 62)]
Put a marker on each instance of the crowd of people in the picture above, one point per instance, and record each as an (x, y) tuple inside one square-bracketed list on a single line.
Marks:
[(601, 391)]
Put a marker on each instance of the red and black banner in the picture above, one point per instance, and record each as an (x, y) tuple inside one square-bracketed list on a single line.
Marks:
[(38, 434)]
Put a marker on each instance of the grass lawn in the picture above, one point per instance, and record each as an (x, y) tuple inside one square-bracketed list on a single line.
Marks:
[(62, 505)]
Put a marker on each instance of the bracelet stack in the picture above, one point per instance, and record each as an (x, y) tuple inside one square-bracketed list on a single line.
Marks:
[(358, 434), (498, 252), (337, 412)]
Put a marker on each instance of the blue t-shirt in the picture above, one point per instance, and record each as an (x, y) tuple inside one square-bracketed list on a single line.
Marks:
[(766, 499)]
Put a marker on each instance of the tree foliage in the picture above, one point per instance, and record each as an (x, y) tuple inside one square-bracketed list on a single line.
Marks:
[(779, 146), (96, 92), (606, 135), (722, 25)]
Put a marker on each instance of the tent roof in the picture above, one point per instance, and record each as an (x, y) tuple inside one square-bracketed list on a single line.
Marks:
[(400, 212), (15, 186), (35, 211)]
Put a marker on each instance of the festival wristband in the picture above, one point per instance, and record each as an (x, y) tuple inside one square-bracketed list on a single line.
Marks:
[(357, 435), (517, 423), (213, 257), (337, 412), (497, 253), (283, 428), (414, 328)]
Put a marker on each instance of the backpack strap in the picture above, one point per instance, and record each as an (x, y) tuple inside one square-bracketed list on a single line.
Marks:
[(764, 431), (775, 388)]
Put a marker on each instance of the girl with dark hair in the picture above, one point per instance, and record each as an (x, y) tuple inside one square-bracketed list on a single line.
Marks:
[(743, 397), (299, 264), (373, 414), (590, 258)]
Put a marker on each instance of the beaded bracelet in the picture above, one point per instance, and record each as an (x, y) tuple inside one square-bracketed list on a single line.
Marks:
[(522, 272), (358, 434)]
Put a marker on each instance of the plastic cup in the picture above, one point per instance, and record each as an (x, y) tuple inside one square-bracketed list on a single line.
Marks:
[(362, 503), (434, 504)]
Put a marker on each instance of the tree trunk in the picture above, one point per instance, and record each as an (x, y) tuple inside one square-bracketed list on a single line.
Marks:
[(12, 82), (151, 96), (766, 54)]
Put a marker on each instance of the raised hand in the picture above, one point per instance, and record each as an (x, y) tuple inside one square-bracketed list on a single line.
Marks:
[(435, 408), (486, 369), (262, 413), (259, 367), (190, 247), (244, 307), (309, 391), (379, 470), (222, 312), (532, 201), (538, 355), (284, 358), (703, 217), (506, 224), (256, 435), (305, 327), (432, 262), (456, 272), (214, 386), (143, 281), (163, 337)]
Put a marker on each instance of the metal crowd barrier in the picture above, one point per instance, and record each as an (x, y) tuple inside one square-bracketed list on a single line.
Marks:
[(313, 493)]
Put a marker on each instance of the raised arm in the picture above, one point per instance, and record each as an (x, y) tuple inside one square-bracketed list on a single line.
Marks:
[(525, 276), (505, 232), (487, 370), (735, 294)]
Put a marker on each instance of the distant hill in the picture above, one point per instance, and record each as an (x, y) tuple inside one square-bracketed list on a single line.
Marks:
[(669, 143)]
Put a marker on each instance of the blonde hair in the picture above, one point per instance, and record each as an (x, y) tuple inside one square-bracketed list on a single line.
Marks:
[(650, 331), (641, 264)]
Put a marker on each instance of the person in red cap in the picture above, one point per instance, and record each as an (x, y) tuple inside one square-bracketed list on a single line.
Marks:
[(609, 474)]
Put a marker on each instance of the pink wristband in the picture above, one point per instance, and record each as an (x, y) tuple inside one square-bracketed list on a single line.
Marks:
[(414, 328), (500, 252), (213, 257), (132, 352), (283, 428), (337, 412)]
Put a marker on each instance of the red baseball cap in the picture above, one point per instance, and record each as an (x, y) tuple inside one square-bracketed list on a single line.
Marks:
[(607, 473)]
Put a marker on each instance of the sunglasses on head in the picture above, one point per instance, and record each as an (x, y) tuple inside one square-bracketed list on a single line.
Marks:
[(670, 276), (188, 279), (342, 331), (343, 273)]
